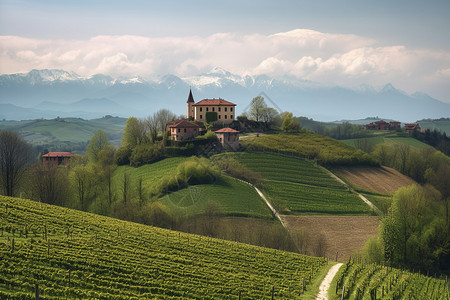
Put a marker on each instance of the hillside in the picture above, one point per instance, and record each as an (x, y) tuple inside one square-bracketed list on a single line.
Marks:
[(442, 124), (73, 254), (58, 131), (388, 138), (298, 186)]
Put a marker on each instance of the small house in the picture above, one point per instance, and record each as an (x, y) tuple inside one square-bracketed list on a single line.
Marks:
[(57, 158), (410, 128), (229, 138), (182, 130)]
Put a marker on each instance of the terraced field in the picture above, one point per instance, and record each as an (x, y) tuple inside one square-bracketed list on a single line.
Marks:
[(72, 254), (299, 186)]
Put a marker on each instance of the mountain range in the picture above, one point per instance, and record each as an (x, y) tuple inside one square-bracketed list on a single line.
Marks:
[(51, 93)]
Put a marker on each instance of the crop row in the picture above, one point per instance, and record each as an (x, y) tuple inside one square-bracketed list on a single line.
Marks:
[(370, 281), (73, 254)]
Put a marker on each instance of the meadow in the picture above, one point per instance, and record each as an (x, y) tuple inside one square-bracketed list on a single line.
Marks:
[(73, 254)]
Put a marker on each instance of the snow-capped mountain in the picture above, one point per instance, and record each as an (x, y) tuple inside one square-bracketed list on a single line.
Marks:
[(59, 93)]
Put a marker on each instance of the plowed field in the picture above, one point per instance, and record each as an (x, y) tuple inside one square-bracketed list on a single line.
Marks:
[(382, 180)]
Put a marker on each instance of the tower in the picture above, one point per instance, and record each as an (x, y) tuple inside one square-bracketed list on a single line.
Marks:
[(190, 108)]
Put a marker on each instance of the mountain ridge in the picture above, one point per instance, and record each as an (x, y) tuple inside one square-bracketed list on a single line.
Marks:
[(140, 97)]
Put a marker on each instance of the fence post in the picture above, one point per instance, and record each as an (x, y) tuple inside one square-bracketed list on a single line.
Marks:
[(239, 295), (343, 291), (273, 291), (36, 291)]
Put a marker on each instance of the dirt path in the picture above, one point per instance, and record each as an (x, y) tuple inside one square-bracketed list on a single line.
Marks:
[(325, 285)]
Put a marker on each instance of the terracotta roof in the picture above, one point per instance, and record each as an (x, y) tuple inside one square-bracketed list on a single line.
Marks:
[(181, 124), (215, 102), (190, 98), (223, 130), (412, 126), (58, 154)]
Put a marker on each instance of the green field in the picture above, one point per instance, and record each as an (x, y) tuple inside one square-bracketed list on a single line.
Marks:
[(324, 150), (72, 254), (442, 125), (299, 186), (390, 139), (41, 131), (370, 281), (232, 197)]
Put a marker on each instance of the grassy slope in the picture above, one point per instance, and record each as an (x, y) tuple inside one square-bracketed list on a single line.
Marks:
[(298, 186), (390, 139), (233, 197), (441, 125), (89, 256), (68, 129)]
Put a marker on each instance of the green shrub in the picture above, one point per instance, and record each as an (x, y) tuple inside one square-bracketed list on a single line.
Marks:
[(144, 154), (122, 155)]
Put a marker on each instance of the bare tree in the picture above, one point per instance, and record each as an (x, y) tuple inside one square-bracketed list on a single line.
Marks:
[(163, 116), (257, 107), (49, 183), (15, 157), (151, 125)]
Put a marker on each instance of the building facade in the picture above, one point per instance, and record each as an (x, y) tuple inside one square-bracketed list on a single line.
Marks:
[(210, 110), (182, 130), (229, 138), (56, 158)]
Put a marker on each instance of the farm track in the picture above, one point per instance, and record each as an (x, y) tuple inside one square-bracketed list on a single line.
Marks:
[(325, 285)]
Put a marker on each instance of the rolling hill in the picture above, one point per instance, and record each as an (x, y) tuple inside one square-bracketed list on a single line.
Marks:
[(73, 254)]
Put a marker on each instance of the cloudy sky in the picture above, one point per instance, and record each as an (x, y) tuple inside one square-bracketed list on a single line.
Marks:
[(348, 43)]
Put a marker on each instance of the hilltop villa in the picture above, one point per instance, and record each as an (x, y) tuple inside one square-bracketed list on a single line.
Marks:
[(210, 109)]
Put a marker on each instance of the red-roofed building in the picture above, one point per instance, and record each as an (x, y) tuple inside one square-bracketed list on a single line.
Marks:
[(57, 158), (229, 138), (182, 130), (223, 110), (410, 128)]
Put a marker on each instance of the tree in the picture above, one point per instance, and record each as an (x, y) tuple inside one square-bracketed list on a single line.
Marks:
[(289, 123), (49, 183), (164, 116), (268, 115), (257, 107), (97, 143), (106, 168), (84, 183), (133, 133), (15, 157)]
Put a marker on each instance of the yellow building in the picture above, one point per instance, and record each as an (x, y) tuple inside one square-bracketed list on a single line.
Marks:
[(217, 109)]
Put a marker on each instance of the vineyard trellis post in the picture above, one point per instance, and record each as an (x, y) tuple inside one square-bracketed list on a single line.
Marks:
[(273, 291), (343, 291), (36, 291)]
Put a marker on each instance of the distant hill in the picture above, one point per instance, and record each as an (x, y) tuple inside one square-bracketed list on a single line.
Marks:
[(442, 124), (138, 97)]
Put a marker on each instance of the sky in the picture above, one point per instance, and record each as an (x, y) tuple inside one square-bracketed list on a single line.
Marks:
[(347, 43)]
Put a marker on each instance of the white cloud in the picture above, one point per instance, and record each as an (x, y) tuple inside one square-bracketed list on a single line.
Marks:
[(343, 59)]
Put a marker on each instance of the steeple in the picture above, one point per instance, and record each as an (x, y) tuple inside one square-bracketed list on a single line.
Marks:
[(190, 98)]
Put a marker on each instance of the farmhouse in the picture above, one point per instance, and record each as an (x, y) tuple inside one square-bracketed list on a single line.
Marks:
[(410, 128), (210, 110), (56, 158), (229, 138), (383, 125), (182, 130)]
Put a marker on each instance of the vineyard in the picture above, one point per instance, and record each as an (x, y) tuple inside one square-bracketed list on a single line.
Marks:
[(73, 254), (299, 186), (370, 281)]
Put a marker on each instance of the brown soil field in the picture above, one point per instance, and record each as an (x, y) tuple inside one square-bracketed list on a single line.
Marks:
[(382, 180), (328, 235)]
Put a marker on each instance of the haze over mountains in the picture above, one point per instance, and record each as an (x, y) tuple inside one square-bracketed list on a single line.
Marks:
[(51, 93)]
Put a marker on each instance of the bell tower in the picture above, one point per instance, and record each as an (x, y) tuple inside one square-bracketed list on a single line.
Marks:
[(190, 108)]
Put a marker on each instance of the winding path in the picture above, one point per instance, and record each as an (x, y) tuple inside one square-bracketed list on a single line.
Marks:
[(325, 285)]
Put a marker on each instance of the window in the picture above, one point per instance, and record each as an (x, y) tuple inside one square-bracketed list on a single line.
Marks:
[(201, 117), (207, 109), (231, 116), (220, 116), (179, 130), (185, 130), (225, 109), (201, 108), (213, 109), (219, 108), (226, 116), (231, 109)]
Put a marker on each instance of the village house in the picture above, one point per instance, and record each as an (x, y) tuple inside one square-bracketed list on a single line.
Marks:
[(182, 130), (383, 125), (57, 158), (210, 109), (229, 138), (410, 128)]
